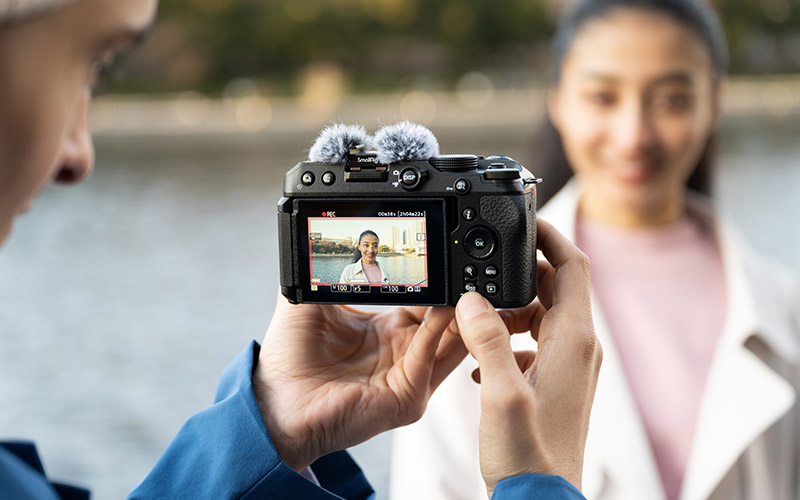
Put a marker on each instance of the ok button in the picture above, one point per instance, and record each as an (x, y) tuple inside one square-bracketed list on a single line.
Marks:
[(480, 243)]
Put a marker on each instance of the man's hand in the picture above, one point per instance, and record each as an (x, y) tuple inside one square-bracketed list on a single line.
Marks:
[(535, 407), (330, 377)]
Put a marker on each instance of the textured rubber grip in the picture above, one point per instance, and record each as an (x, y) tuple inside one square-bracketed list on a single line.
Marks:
[(514, 220)]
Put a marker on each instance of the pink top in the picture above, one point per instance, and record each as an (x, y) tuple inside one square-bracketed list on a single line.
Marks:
[(372, 271), (662, 292)]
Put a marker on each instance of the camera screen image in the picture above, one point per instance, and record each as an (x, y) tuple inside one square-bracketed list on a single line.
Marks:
[(373, 252)]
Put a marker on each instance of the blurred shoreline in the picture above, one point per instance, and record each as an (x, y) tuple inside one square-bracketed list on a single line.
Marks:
[(253, 115)]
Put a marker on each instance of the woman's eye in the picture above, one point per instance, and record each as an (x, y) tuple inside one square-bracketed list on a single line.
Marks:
[(674, 102), (601, 98)]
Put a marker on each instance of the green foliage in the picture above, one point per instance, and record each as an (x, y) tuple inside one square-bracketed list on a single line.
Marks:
[(326, 248), (205, 44)]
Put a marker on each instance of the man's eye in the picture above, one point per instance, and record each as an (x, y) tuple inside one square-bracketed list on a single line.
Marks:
[(101, 70), (94, 73)]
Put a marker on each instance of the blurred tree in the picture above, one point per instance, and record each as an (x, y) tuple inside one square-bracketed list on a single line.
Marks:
[(205, 44)]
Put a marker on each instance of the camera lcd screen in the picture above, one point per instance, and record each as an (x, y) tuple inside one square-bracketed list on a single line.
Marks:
[(372, 252)]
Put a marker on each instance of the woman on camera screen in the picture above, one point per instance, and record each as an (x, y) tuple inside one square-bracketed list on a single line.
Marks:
[(365, 268), (697, 397)]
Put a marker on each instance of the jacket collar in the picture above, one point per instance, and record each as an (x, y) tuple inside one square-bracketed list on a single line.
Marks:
[(744, 396), (360, 270)]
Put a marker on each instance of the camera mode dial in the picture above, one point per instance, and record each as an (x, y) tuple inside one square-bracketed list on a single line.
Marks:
[(454, 162)]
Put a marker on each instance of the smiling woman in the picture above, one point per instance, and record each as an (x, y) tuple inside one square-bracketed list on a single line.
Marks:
[(634, 101), (365, 268)]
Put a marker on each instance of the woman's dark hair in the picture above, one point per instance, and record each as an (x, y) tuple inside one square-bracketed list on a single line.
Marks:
[(550, 159), (357, 252)]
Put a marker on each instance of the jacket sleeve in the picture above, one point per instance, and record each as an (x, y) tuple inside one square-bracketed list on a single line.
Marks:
[(536, 487), (225, 452)]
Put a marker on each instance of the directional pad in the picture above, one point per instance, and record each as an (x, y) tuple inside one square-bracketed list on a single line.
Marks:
[(479, 243)]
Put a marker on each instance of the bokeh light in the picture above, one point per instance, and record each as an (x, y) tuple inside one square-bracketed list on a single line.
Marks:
[(475, 90), (190, 109)]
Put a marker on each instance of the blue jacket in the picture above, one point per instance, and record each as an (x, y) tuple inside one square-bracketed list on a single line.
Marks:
[(225, 452)]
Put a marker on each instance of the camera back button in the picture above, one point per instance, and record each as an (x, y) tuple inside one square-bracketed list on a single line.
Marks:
[(470, 272), (480, 243)]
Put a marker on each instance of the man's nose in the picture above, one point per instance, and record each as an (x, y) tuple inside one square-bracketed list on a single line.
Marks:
[(77, 150)]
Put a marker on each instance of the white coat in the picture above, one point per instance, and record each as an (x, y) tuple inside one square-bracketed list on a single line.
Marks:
[(747, 438), (354, 273)]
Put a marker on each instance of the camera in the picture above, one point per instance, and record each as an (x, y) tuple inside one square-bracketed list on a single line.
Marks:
[(399, 225)]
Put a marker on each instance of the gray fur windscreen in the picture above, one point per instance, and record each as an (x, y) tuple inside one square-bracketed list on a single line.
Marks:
[(405, 141), (335, 141)]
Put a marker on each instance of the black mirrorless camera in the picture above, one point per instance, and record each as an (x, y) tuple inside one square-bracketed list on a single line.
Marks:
[(398, 225)]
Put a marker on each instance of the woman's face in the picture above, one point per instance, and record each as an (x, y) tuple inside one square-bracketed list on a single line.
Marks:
[(369, 248), (50, 63), (635, 106)]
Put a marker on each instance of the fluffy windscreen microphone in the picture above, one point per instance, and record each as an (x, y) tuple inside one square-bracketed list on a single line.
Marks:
[(335, 141), (405, 141)]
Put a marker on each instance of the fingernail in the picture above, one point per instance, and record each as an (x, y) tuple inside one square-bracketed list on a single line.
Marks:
[(471, 305)]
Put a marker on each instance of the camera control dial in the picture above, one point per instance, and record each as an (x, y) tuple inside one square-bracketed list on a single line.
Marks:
[(454, 162), (501, 174)]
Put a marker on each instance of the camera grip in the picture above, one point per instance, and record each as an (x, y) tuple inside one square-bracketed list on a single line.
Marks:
[(514, 220), (289, 268)]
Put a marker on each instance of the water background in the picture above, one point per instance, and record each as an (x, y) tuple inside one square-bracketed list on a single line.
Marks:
[(122, 299)]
